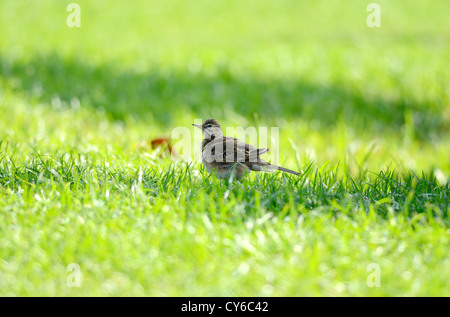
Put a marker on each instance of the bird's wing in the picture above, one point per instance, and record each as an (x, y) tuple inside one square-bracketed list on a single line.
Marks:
[(235, 150), (263, 151), (238, 151), (228, 150)]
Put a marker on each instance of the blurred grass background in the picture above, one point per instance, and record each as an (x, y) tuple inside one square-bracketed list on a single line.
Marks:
[(341, 92), (275, 63), (315, 70)]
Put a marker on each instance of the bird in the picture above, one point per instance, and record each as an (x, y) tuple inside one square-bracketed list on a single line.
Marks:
[(229, 157)]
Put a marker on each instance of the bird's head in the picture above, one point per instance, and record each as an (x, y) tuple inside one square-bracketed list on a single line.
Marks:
[(210, 128)]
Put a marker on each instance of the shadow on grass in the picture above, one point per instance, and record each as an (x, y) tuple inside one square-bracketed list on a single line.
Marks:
[(161, 94)]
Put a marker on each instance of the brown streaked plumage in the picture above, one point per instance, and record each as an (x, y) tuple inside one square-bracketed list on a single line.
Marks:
[(226, 155)]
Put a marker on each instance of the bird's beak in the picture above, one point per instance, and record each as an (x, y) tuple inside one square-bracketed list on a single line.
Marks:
[(197, 125)]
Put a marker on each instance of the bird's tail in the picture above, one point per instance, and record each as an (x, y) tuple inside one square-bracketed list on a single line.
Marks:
[(285, 170), (263, 166)]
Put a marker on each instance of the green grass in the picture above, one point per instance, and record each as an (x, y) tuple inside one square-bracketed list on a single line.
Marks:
[(364, 112)]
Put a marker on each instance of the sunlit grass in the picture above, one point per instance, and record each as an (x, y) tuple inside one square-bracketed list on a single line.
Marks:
[(137, 229)]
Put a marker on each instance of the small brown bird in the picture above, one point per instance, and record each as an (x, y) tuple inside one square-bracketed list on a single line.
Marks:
[(226, 155)]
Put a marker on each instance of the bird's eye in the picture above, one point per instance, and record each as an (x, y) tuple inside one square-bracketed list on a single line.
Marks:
[(209, 126)]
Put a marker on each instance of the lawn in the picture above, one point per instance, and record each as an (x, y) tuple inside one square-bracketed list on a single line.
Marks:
[(363, 112)]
